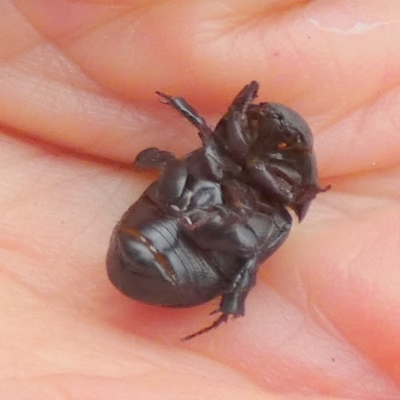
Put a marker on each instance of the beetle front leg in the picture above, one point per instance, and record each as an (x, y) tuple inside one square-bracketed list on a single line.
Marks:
[(245, 97), (237, 129), (184, 108), (272, 181)]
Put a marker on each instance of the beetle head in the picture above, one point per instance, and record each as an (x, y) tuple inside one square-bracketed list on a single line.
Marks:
[(280, 129), (281, 159)]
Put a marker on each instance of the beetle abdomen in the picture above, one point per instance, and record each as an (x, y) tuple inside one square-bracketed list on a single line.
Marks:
[(158, 265)]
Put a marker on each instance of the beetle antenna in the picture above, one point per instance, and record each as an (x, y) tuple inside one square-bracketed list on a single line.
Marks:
[(222, 318)]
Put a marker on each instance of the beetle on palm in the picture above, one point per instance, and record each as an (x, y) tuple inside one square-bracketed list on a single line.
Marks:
[(204, 227)]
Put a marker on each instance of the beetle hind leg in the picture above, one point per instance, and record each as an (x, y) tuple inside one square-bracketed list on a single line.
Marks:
[(222, 318), (233, 301)]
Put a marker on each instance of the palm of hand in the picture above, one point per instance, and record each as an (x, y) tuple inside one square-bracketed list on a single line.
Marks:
[(323, 317)]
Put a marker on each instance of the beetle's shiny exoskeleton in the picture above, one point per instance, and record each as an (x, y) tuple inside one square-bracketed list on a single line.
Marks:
[(203, 228)]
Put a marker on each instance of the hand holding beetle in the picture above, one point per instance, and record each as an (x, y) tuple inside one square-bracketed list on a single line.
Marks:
[(77, 104)]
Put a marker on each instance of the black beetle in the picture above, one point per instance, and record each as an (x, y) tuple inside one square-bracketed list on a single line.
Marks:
[(203, 228)]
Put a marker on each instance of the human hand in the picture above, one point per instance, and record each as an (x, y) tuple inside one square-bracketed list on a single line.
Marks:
[(77, 104)]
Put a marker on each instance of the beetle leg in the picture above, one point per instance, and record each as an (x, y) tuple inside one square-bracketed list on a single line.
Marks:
[(204, 194), (170, 193), (237, 134), (268, 232), (245, 97), (238, 196), (220, 230), (272, 230), (304, 200), (234, 126), (266, 178), (237, 129), (285, 185), (233, 301), (153, 158), (189, 113), (222, 318)]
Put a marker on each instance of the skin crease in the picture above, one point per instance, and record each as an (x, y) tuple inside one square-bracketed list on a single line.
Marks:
[(77, 103)]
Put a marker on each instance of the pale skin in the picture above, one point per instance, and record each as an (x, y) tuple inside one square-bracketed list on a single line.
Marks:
[(77, 103)]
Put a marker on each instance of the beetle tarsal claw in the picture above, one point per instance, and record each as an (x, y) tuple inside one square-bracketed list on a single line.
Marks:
[(164, 98), (222, 318)]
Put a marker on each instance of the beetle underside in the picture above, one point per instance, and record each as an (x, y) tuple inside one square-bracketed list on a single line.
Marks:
[(204, 227)]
